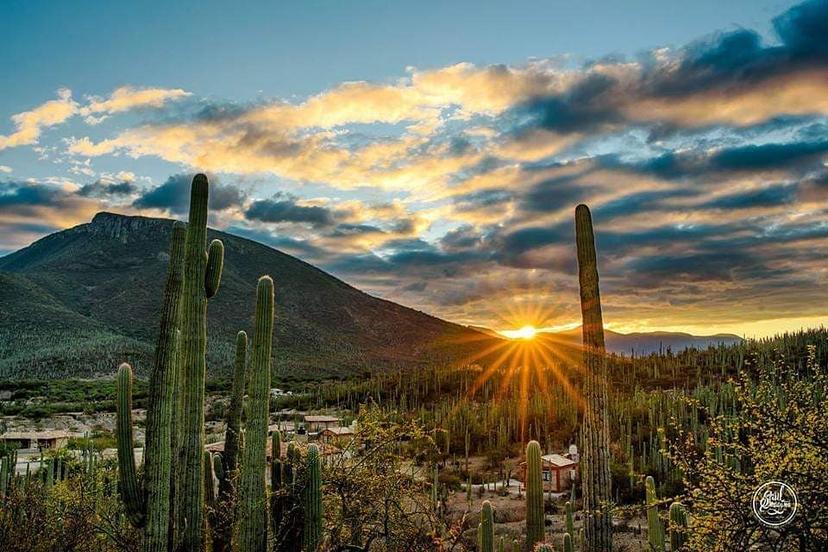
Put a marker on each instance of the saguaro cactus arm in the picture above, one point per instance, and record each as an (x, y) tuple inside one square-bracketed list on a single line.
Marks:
[(215, 265)]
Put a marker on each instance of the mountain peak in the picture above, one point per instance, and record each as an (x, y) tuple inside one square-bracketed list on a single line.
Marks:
[(117, 226)]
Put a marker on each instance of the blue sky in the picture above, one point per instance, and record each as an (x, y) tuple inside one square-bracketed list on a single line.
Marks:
[(432, 152)]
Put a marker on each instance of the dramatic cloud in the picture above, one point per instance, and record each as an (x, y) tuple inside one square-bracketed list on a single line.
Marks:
[(174, 195), (452, 189), (30, 124), (127, 98), (284, 208)]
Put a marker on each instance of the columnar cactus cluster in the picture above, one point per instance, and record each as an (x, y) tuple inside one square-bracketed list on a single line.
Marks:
[(595, 472), (534, 495), (178, 486)]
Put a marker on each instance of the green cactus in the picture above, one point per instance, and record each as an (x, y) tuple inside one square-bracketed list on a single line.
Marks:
[(209, 482), (147, 502), (312, 534), (487, 527), (678, 526), (198, 265), (567, 543), (223, 529), (595, 471), (655, 530), (501, 544), (252, 505), (534, 495), (570, 519)]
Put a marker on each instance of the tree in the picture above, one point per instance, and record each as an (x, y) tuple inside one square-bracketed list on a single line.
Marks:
[(778, 433)]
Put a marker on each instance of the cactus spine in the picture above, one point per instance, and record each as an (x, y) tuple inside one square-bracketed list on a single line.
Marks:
[(198, 265), (252, 511), (313, 501), (534, 495), (487, 527), (595, 472), (655, 531), (678, 526)]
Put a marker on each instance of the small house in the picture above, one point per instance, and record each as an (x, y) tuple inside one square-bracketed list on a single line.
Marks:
[(339, 436), (54, 439), (559, 471), (316, 423)]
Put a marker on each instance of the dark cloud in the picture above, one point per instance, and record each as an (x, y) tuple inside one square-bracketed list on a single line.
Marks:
[(482, 199), (101, 189), (555, 193), (765, 197), (767, 156), (174, 195), (26, 194), (285, 208), (588, 105)]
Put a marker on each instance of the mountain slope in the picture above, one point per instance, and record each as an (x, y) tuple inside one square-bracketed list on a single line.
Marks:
[(79, 301)]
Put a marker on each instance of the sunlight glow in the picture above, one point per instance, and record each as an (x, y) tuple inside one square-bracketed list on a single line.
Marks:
[(526, 332)]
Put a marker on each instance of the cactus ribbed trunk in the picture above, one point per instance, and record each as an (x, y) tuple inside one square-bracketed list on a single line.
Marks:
[(534, 495), (131, 492), (595, 472), (487, 527), (158, 451), (678, 526), (252, 510), (189, 520), (312, 534), (655, 531), (223, 530)]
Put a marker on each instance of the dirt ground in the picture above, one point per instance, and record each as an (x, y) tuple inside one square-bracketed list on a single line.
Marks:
[(510, 520)]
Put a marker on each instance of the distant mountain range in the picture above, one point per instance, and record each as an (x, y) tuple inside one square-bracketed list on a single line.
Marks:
[(644, 343), (79, 301)]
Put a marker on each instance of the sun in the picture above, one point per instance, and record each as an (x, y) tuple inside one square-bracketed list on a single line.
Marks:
[(526, 332)]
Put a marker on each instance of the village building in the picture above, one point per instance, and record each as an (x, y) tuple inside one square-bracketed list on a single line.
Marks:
[(54, 439), (559, 471), (338, 436), (316, 423)]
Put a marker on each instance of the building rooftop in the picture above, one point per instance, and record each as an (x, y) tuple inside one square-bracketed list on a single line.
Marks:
[(36, 435), (558, 460), (321, 419), (339, 430)]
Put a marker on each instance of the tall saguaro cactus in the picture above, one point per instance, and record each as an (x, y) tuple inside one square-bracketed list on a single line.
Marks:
[(534, 495), (595, 472), (678, 526), (148, 502), (252, 510), (313, 501), (655, 530), (202, 274)]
